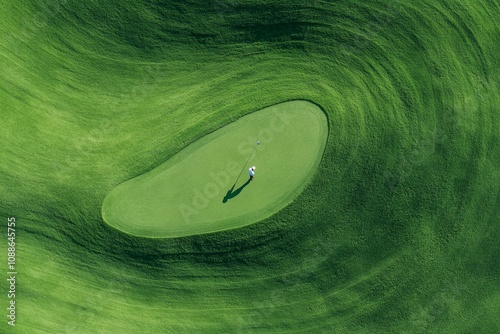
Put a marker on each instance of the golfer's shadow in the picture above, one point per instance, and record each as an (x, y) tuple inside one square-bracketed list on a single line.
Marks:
[(231, 193)]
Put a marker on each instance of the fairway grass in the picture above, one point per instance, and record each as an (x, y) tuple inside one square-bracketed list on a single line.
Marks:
[(206, 188), (395, 230)]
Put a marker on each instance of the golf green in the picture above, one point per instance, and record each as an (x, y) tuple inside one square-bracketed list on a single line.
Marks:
[(206, 187)]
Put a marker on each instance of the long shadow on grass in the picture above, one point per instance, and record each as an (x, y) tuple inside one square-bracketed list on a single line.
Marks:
[(231, 193)]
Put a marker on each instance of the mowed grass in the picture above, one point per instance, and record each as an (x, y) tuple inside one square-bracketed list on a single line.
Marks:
[(206, 187), (398, 231)]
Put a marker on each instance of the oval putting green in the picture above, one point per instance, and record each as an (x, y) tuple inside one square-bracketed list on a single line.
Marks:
[(206, 187)]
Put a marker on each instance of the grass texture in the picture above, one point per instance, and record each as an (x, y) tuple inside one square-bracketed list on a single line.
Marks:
[(397, 232)]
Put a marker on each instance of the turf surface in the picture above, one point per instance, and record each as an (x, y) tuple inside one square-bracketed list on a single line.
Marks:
[(206, 187), (397, 232)]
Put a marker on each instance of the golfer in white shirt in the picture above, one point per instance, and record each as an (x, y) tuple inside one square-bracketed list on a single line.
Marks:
[(251, 172)]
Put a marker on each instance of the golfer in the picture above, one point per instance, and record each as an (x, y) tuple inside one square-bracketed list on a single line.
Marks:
[(251, 172)]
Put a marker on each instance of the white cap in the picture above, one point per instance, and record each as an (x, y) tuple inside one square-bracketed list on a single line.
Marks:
[(253, 167)]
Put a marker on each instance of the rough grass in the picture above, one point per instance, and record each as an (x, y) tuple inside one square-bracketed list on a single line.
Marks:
[(399, 234)]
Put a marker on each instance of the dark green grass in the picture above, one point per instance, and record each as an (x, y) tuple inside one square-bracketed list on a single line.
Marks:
[(399, 231)]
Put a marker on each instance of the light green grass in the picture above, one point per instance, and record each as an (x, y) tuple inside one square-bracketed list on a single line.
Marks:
[(206, 187), (397, 232)]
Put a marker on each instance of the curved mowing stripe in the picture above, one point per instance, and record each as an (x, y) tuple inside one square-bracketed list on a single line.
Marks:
[(206, 188)]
